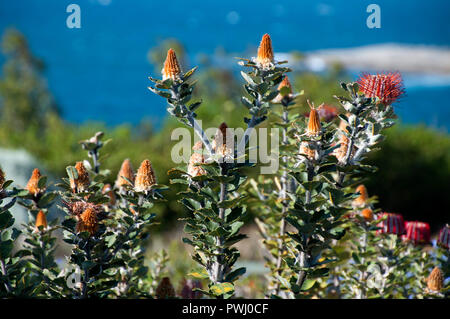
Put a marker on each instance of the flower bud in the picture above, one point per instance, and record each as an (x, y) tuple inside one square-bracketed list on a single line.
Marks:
[(171, 68), (126, 170), (367, 214), (314, 126), (33, 183), (361, 200), (435, 280), (145, 177), (41, 220), (265, 57)]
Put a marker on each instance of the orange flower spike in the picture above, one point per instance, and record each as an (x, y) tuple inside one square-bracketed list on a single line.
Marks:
[(126, 170), (361, 200), (171, 68), (367, 214), (435, 280), (145, 177), (265, 57), (107, 190), (81, 183), (88, 221), (314, 126), (32, 185), (285, 83), (41, 220)]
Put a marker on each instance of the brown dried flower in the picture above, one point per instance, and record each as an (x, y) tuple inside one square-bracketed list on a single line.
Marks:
[(126, 170), (165, 289), (284, 97), (305, 149), (33, 183), (145, 177), (341, 152), (171, 68), (220, 144), (81, 183), (196, 158), (265, 57), (88, 221), (435, 280)]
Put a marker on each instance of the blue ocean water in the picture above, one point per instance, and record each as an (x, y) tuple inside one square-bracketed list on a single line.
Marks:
[(99, 72)]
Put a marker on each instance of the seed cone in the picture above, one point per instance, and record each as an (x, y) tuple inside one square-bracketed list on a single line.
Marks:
[(33, 183), (126, 170), (435, 280), (367, 214), (171, 68), (41, 220), (388, 87), (361, 200), (165, 289), (81, 183), (145, 177), (265, 52), (88, 221)]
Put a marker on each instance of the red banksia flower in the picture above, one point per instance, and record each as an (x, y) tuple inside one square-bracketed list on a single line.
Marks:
[(171, 68), (393, 224), (41, 220), (435, 280), (81, 183), (327, 112), (444, 237), (145, 177), (388, 87), (126, 170), (32, 185), (361, 200), (88, 221), (265, 53), (165, 289), (417, 232)]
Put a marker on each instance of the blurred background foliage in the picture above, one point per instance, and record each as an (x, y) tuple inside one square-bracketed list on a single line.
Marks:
[(414, 166)]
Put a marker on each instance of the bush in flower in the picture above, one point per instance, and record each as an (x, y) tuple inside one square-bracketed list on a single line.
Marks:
[(323, 236)]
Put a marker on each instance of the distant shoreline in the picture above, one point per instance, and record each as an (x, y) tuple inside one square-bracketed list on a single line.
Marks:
[(383, 57)]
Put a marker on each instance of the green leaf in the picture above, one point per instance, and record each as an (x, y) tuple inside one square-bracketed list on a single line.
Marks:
[(222, 288), (234, 274), (199, 274)]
